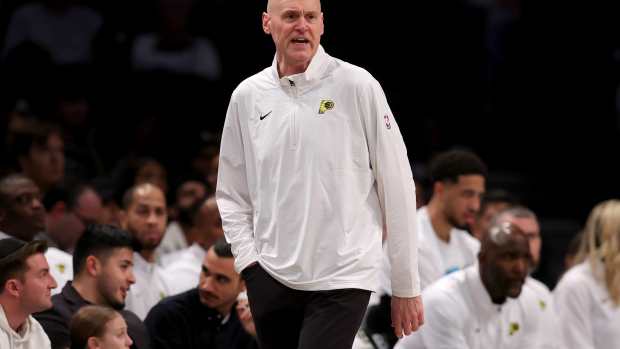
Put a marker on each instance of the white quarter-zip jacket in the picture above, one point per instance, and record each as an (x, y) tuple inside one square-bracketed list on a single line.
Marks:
[(30, 336), (459, 313), (588, 317), (311, 167)]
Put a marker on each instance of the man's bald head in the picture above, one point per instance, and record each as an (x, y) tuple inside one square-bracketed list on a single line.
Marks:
[(274, 5), (504, 260)]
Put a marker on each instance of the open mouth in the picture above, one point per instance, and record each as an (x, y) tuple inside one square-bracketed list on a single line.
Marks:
[(300, 41)]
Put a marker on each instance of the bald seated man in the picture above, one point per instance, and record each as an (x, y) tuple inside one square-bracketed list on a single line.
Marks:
[(485, 305)]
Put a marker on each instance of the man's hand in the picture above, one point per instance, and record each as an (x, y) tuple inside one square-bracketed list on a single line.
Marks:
[(407, 315), (245, 316)]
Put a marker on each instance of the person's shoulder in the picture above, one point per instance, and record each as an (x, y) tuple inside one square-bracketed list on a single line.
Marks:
[(351, 74), (446, 291), (182, 302), (537, 287), (469, 241), (37, 330), (577, 275), (255, 83)]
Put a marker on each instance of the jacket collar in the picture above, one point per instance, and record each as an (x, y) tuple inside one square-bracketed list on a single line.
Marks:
[(315, 71)]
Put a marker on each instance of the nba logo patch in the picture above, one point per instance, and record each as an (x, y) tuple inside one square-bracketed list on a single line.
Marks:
[(387, 121)]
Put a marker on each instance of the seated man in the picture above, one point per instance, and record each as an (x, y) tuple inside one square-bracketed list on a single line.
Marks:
[(25, 285), (485, 305), (22, 216), (183, 267), (103, 265), (205, 317)]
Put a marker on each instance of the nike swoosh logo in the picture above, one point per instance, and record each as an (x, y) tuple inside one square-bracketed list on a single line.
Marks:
[(264, 116)]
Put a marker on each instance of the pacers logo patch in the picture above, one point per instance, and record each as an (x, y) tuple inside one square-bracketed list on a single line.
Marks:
[(326, 104), (387, 122), (61, 268), (514, 327)]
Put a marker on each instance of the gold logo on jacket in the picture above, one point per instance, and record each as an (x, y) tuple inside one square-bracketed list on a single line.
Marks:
[(326, 104)]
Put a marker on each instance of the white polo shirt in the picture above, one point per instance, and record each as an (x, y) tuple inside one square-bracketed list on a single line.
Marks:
[(151, 286), (185, 268), (459, 314), (588, 317)]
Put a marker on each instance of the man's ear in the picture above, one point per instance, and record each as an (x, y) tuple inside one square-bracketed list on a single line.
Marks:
[(266, 22), (93, 342), (438, 188), (13, 287), (93, 265), (122, 217), (241, 284)]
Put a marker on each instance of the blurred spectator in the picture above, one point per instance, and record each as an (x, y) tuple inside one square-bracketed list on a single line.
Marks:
[(493, 202), (185, 264), (173, 48), (37, 150), (22, 216), (63, 27), (190, 196), (144, 216), (69, 211)]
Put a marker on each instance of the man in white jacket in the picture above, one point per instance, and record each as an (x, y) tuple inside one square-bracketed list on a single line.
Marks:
[(484, 305), (312, 166), (25, 288)]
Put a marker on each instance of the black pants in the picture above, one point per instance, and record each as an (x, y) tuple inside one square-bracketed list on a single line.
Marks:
[(291, 319)]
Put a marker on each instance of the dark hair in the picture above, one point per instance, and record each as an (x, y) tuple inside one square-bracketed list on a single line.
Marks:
[(222, 248), (88, 322), (14, 265), (448, 166), (497, 196), (33, 132), (99, 240)]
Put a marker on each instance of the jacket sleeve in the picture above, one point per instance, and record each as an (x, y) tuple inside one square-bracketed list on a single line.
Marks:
[(232, 193), (395, 187)]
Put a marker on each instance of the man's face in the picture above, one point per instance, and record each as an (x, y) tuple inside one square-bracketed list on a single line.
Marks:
[(37, 285), (507, 266), (461, 200), (531, 229), (219, 283), (146, 216), (189, 193), (89, 207), (115, 277), (296, 27), (46, 162), (209, 224), (25, 215)]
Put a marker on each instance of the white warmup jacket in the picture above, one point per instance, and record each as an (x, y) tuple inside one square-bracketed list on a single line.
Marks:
[(31, 335), (588, 317), (311, 167), (459, 313)]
